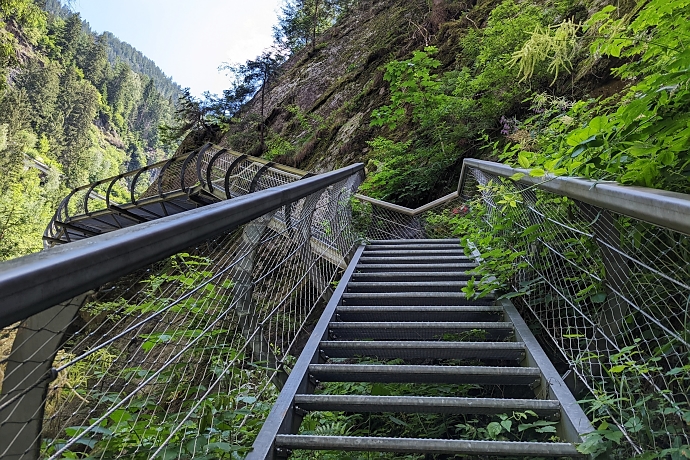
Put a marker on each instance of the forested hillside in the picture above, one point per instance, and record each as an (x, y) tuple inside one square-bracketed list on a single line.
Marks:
[(123, 51), (64, 104)]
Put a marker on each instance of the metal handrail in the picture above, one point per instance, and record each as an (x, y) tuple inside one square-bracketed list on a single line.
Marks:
[(36, 282), (405, 210), (659, 207)]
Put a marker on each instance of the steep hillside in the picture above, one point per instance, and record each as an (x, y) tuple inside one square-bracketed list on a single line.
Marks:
[(413, 87), (64, 107), (118, 50), (318, 110)]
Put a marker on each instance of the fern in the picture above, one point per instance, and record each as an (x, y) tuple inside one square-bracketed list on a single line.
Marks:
[(556, 45)]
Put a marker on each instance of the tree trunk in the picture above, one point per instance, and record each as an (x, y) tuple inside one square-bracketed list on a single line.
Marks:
[(315, 21), (262, 133)]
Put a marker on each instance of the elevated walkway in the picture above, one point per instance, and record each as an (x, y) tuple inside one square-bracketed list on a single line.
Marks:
[(399, 317), (205, 176), (188, 288)]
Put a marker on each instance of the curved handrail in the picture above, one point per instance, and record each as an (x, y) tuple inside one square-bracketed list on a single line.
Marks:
[(196, 170)]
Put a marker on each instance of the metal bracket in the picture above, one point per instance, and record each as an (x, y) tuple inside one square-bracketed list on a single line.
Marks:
[(299, 411)]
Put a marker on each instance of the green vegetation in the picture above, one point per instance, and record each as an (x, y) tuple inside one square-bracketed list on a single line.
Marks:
[(515, 99), (301, 20), (167, 397), (67, 115), (437, 115), (513, 82)]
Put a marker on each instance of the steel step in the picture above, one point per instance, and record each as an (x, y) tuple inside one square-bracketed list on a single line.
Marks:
[(407, 276), (425, 404), (413, 259), (398, 247), (410, 349), (402, 242), (451, 331), (427, 446), (420, 313), (412, 298), (415, 268), (405, 286), (415, 253), (403, 373)]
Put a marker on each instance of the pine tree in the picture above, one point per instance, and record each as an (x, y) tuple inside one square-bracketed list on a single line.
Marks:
[(95, 63), (259, 73), (68, 40)]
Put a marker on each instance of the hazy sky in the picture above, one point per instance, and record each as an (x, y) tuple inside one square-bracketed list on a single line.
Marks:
[(188, 39)]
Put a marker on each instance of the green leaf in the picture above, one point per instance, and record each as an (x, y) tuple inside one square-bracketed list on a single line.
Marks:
[(598, 298), (223, 447), (614, 436), (87, 442), (634, 425), (511, 295), (666, 157), (397, 421), (494, 429), (517, 176), (523, 160), (247, 399), (379, 389), (546, 429), (618, 369), (537, 172), (120, 415), (507, 424)]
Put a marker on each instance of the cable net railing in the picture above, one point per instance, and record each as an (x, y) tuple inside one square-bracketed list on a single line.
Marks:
[(376, 220), (182, 358), (206, 175), (610, 296)]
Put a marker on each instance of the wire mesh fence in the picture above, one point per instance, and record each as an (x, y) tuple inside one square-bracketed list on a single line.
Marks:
[(610, 296), (375, 220), (183, 358)]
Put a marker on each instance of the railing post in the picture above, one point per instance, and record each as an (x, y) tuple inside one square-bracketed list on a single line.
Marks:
[(243, 290), (306, 223), (27, 376), (614, 310)]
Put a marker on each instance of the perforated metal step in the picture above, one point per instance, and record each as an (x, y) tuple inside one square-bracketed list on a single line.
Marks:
[(411, 276), (412, 259), (399, 247), (412, 298), (415, 268), (410, 349), (435, 330), (430, 405), (405, 286), (428, 446), (424, 313)]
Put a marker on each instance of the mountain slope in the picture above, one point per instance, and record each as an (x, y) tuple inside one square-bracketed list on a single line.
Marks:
[(65, 106)]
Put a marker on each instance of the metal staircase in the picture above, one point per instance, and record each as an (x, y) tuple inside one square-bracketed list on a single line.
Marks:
[(402, 300)]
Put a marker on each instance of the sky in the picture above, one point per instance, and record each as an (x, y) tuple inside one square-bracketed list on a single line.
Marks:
[(188, 39)]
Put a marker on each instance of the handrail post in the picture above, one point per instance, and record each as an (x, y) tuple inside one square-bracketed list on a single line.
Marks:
[(243, 290), (27, 376), (614, 309)]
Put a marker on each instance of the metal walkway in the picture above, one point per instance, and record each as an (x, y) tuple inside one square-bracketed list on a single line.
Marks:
[(397, 329), (205, 176), (402, 300)]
